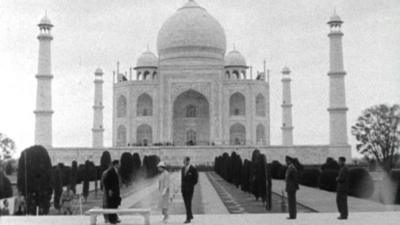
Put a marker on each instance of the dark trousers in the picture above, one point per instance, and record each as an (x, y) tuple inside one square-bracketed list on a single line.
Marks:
[(112, 205), (268, 205), (341, 202), (105, 206), (187, 198), (292, 204)]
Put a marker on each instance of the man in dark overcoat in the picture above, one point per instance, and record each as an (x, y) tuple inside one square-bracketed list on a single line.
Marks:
[(111, 187), (342, 188), (189, 180), (292, 186)]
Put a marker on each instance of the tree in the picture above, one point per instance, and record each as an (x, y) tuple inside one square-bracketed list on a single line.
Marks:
[(7, 147), (378, 135), (34, 174)]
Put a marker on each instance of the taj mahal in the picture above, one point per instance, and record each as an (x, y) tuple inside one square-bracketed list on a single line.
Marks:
[(194, 97)]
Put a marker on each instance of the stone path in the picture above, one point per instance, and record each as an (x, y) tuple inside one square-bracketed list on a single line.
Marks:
[(150, 198), (211, 201), (360, 218), (238, 201), (325, 201)]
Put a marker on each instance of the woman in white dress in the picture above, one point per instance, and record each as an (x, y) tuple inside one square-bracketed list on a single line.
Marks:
[(164, 189)]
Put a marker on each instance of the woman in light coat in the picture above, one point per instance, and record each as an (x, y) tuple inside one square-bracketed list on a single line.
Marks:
[(164, 189)]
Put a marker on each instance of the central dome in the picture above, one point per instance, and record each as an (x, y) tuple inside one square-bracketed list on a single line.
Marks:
[(191, 32)]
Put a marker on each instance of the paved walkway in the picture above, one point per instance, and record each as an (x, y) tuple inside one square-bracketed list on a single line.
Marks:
[(211, 201), (370, 218), (238, 201), (150, 197), (325, 201)]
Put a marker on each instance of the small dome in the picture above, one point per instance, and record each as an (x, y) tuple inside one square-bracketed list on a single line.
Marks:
[(98, 72), (285, 70), (45, 21), (335, 18), (147, 59), (235, 58)]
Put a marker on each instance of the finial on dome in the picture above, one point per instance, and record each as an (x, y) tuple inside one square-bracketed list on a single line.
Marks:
[(285, 70), (45, 21), (98, 72), (335, 19)]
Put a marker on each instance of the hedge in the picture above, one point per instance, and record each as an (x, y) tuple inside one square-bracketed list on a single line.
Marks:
[(361, 184), (327, 180), (5, 186), (309, 177)]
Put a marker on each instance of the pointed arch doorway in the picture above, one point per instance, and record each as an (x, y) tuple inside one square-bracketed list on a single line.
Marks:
[(191, 119)]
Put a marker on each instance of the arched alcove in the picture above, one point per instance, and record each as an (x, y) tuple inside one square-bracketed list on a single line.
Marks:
[(237, 104)]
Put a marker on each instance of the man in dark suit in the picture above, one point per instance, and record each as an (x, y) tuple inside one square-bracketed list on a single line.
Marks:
[(342, 188), (111, 187), (189, 180), (292, 186)]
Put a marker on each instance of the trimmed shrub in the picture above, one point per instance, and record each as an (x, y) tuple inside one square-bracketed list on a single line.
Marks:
[(57, 184), (277, 170), (5, 186), (86, 179), (126, 168), (34, 174), (330, 164), (136, 163), (245, 176), (327, 180), (150, 165), (105, 160), (309, 177), (395, 177), (74, 176), (361, 184)]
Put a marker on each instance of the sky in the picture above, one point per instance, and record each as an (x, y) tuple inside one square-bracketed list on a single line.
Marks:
[(98, 33)]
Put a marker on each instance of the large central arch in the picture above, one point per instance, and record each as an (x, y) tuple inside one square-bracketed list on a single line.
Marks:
[(191, 119)]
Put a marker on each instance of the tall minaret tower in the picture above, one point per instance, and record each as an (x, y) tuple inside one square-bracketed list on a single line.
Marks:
[(287, 126), (43, 112), (98, 129), (337, 96)]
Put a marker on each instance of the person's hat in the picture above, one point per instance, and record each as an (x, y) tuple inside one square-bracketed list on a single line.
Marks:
[(161, 164)]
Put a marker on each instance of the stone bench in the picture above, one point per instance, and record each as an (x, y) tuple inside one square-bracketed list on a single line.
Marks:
[(145, 212)]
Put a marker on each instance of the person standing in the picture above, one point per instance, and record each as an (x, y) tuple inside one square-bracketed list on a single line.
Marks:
[(291, 187), (66, 201), (111, 186), (342, 188), (164, 189), (189, 180), (5, 211), (19, 204)]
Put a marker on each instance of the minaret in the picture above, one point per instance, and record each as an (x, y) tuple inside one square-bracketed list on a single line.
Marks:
[(287, 127), (337, 96), (43, 112), (98, 129)]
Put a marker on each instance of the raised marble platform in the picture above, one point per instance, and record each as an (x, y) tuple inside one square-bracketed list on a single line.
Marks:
[(204, 155)]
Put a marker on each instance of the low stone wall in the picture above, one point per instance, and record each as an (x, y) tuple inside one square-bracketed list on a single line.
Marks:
[(202, 155)]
